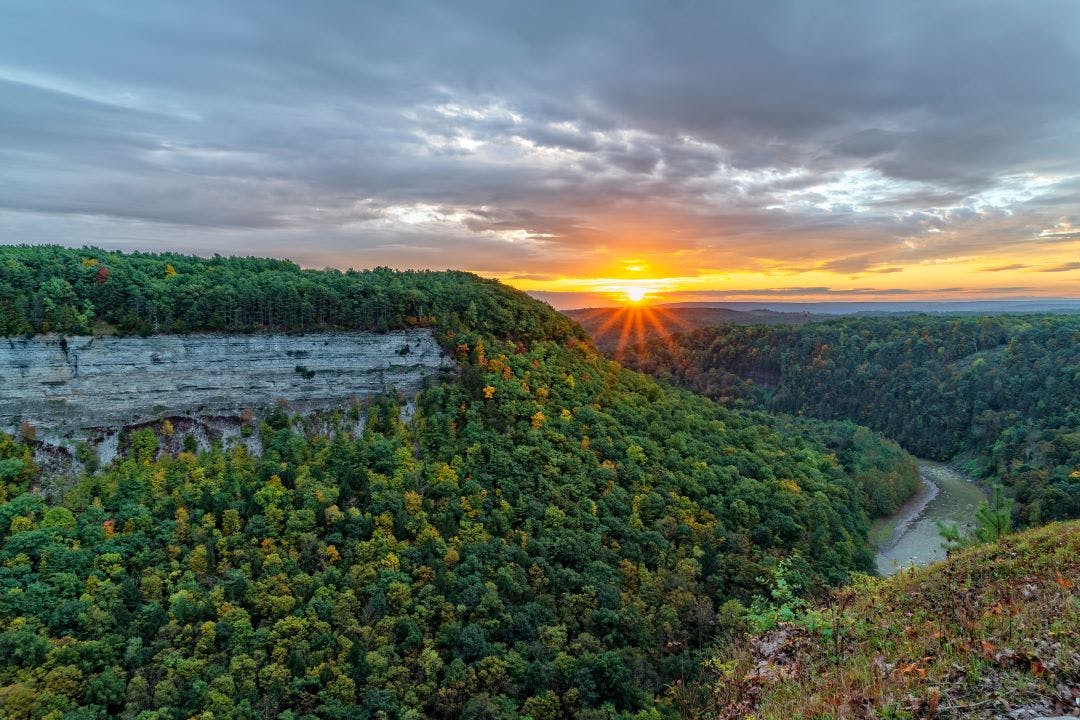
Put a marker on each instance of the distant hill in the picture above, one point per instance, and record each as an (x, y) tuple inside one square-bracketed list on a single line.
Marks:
[(612, 328), (888, 307)]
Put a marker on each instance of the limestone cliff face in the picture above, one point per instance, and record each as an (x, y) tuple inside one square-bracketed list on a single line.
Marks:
[(67, 387)]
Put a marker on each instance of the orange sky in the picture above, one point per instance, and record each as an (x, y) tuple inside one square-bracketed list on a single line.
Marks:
[(1038, 270), (741, 151)]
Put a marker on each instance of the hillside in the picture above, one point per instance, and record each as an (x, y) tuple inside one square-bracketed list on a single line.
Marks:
[(615, 329), (989, 633), (997, 393), (548, 535), (50, 289)]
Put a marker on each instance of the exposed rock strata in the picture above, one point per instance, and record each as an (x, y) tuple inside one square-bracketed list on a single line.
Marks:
[(76, 386)]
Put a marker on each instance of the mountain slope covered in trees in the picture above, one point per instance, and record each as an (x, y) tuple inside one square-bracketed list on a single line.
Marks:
[(1000, 392), (550, 536), (52, 289)]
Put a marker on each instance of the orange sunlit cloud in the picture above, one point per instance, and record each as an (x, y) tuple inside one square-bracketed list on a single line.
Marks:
[(725, 170), (1048, 274)]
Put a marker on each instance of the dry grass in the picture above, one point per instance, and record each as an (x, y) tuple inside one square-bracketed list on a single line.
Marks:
[(992, 632)]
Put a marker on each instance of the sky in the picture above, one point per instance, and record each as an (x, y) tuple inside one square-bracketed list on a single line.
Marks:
[(692, 150)]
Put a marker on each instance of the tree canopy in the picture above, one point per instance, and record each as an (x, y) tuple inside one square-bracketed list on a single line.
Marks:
[(550, 535), (1000, 393), (78, 291)]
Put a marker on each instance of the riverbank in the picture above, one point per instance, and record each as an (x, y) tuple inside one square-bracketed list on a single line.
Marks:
[(887, 530), (910, 536)]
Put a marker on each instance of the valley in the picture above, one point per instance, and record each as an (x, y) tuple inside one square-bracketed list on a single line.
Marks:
[(556, 360), (454, 506), (985, 631), (540, 532), (1000, 395)]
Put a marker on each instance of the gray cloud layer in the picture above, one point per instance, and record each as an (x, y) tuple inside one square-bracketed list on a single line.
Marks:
[(542, 137)]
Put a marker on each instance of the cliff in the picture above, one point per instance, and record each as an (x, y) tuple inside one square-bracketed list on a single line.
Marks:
[(73, 386)]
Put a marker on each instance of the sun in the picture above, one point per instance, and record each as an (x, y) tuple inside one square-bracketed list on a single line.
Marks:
[(635, 293)]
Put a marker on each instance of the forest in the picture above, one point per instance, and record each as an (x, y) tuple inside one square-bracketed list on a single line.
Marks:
[(552, 535), (49, 289), (998, 394)]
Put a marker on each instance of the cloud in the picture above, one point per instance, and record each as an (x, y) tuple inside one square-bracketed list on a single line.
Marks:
[(858, 264), (777, 137), (1003, 268), (1064, 267), (802, 292), (533, 276)]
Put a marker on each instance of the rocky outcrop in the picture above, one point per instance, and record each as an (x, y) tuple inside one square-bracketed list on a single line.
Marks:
[(75, 386)]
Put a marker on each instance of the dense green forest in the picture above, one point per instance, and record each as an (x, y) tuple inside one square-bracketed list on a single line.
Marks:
[(1001, 393), (53, 289), (551, 536)]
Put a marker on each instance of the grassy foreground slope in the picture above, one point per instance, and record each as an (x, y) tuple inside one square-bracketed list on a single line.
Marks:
[(551, 536), (991, 631)]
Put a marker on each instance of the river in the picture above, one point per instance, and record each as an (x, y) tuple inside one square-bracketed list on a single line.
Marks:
[(910, 536)]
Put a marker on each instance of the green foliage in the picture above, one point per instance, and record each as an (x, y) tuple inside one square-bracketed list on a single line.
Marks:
[(1002, 390), (54, 289), (551, 535), (10, 469), (988, 630), (886, 475), (783, 604), (474, 563), (87, 455), (17, 467), (993, 521)]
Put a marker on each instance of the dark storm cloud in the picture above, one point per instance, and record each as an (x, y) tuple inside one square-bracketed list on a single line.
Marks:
[(846, 136)]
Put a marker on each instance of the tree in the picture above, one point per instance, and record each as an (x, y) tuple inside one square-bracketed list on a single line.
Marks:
[(993, 520)]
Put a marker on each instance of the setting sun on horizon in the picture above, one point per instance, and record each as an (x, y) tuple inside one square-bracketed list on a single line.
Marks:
[(725, 171), (1047, 270), (531, 360)]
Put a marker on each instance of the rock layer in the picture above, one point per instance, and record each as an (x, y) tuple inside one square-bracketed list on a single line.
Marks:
[(67, 386)]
